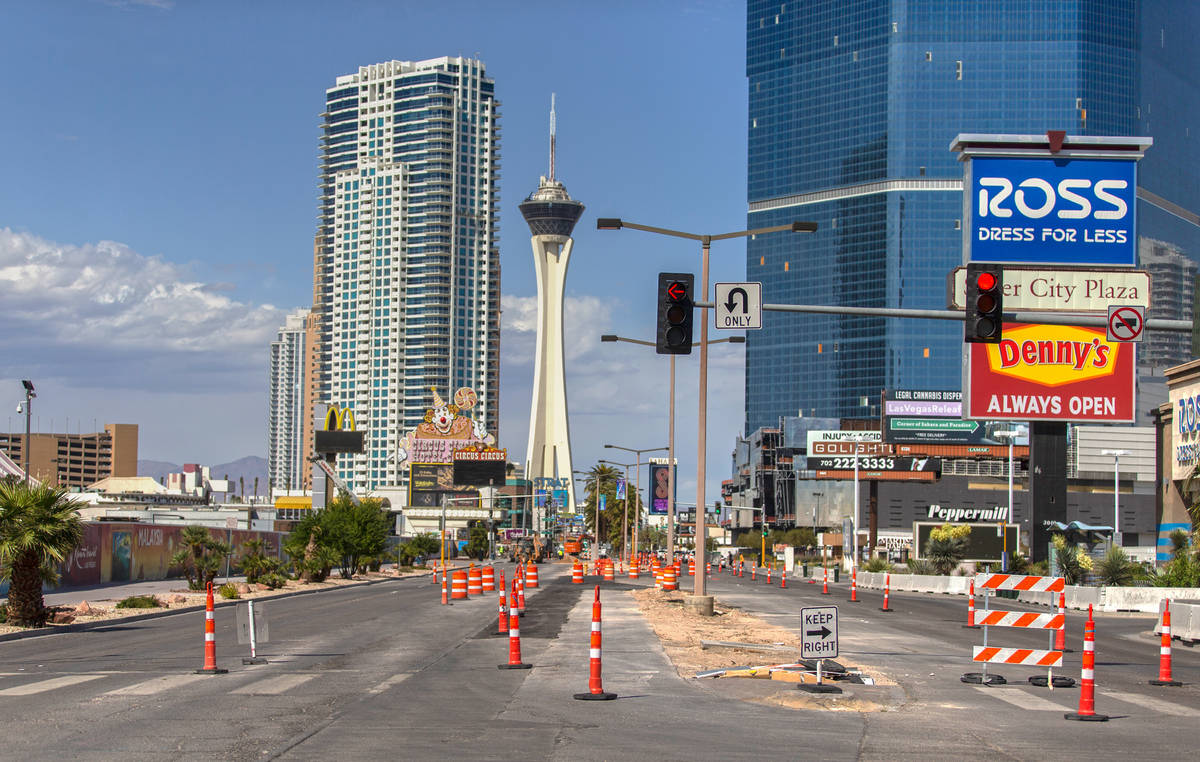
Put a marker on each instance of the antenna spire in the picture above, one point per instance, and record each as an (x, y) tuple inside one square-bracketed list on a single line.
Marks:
[(553, 129)]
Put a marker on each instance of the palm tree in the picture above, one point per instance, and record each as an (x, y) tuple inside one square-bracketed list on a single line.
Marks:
[(39, 527)]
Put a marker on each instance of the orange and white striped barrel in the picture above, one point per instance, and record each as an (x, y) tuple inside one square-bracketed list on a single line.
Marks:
[(691, 567), (1020, 582), (633, 571), (996, 655), (658, 578), (577, 573), (489, 579), (458, 584), (609, 571), (474, 581), (531, 576), (669, 579)]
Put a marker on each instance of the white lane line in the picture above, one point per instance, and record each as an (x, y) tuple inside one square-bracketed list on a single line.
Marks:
[(48, 685), (388, 683), (273, 686), (1153, 704), (157, 685), (1020, 698)]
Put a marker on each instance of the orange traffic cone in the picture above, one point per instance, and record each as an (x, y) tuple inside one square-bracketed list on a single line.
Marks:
[(514, 645), (595, 683), (502, 626), (1087, 691), (1164, 650), (210, 639)]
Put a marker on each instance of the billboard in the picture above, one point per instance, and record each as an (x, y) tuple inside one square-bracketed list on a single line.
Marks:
[(1050, 373), (427, 482), (933, 417), (659, 488), (985, 544), (1053, 209), (480, 467)]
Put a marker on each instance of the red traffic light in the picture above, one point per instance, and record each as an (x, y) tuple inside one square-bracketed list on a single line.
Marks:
[(677, 290), (986, 281)]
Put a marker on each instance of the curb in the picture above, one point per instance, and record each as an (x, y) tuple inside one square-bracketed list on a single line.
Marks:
[(84, 626)]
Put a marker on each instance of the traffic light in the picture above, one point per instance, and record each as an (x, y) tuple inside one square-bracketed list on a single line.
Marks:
[(985, 303), (674, 335)]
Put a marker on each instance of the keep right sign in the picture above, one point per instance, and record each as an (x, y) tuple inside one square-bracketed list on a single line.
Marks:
[(819, 636)]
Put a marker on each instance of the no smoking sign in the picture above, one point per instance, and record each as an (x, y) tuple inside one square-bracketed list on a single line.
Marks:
[(1125, 323)]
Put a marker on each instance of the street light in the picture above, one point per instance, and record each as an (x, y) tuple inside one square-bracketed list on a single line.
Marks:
[(608, 337), (25, 446), (625, 518), (595, 516), (1010, 435), (609, 223), (637, 475), (816, 510), (1116, 493)]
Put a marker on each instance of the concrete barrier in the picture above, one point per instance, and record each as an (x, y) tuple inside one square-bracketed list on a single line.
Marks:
[(1185, 619), (1145, 599)]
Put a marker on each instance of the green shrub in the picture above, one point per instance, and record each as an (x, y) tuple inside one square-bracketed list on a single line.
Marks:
[(228, 590), (876, 565), (139, 602), (273, 580)]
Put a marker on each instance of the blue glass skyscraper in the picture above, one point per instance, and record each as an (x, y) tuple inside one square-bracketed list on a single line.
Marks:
[(852, 108)]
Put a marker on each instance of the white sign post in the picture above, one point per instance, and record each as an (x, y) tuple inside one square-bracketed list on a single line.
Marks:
[(819, 640), (252, 628), (738, 306)]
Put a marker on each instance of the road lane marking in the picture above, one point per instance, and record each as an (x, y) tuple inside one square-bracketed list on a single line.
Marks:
[(1153, 704), (273, 686), (157, 685), (1022, 699), (388, 683), (48, 685)]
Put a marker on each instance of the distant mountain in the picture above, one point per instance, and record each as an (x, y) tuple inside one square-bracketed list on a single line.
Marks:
[(247, 469)]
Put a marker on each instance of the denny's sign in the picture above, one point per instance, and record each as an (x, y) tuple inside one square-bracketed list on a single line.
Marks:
[(1050, 373)]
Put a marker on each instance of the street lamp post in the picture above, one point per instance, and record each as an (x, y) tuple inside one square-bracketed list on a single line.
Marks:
[(702, 419), (625, 518), (637, 475), (816, 510), (1009, 434), (596, 518), (608, 337), (25, 445), (1116, 493)]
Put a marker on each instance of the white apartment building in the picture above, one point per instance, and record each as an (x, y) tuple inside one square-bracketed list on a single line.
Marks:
[(407, 271), (286, 458)]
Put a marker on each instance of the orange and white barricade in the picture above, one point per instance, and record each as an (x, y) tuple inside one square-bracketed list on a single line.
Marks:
[(474, 581), (531, 576), (489, 579), (577, 573), (986, 654)]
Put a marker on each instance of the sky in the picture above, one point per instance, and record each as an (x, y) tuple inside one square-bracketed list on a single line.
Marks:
[(158, 202)]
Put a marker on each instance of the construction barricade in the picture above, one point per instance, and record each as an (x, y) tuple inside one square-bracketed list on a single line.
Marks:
[(489, 579), (986, 654), (474, 581), (577, 573), (669, 579), (531, 576), (458, 584)]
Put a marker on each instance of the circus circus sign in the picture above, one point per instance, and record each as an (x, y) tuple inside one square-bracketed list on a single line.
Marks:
[(446, 428)]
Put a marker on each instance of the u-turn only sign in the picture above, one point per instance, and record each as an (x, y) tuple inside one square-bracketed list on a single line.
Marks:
[(819, 636), (738, 305)]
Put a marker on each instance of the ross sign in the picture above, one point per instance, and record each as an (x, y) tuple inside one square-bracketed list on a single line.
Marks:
[(1052, 209), (1061, 289), (1185, 440), (1126, 323), (1050, 373), (738, 306), (819, 632)]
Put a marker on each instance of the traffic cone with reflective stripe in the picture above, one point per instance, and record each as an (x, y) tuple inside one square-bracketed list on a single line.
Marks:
[(502, 626), (1060, 637), (595, 683), (1087, 691), (1164, 650), (514, 644), (887, 590), (825, 584), (854, 585), (521, 597), (783, 580), (754, 572), (210, 639)]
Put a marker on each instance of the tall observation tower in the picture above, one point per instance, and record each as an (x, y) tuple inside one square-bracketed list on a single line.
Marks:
[(551, 215)]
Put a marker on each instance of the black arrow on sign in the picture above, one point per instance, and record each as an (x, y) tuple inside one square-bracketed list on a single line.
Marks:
[(729, 302), (824, 632)]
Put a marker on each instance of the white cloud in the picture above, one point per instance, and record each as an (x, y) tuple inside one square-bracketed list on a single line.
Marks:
[(108, 316)]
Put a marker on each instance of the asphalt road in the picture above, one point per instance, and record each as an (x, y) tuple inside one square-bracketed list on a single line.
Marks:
[(385, 672)]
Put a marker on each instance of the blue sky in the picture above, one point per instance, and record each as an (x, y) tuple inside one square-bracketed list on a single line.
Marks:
[(158, 201)]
